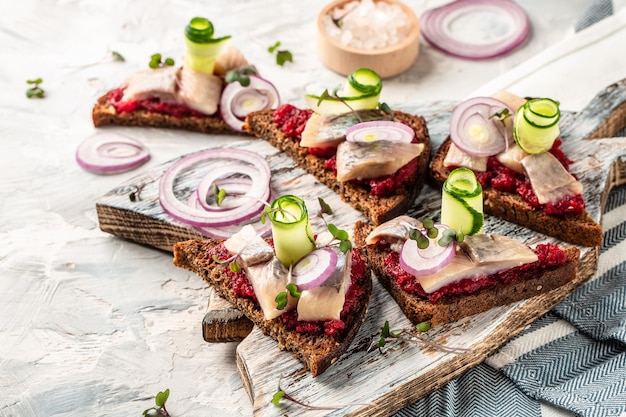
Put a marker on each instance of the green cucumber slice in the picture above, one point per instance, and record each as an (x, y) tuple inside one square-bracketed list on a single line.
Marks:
[(542, 112), (462, 202), (531, 138), (363, 81), (201, 47), (291, 230), (329, 105)]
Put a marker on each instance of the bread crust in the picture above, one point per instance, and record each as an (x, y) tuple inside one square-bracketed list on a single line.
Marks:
[(579, 230), (104, 113), (316, 352), (451, 308), (376, 208)]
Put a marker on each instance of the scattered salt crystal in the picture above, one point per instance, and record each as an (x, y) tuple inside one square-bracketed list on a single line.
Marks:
[(367, 24)]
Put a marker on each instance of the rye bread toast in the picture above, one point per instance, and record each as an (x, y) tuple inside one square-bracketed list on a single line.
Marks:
[(316, 351), (377, 209), (579, 230), (104, 113), (450, 308)]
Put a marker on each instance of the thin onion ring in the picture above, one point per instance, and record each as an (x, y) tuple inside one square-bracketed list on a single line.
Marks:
[(111, 153), (193, 216), (436, 29), (231, 108)]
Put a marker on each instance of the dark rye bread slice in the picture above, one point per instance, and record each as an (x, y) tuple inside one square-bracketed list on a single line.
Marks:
[(579, 230), (378, 209), (104, 113), (316, 352), (450, 308)]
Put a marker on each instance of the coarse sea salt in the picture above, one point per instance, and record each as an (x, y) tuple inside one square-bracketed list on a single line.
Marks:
[(367, 24)]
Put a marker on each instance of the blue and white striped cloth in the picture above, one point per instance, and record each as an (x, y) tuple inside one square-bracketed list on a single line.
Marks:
[(570, 362)]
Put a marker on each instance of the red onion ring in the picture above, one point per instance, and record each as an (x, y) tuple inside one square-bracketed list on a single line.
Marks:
[(421, 262), (205, 187), (437, 28), (238, 101), (380, 130), (315, 268), (225, 232), (477, 111), (194, 216), (111, 153)]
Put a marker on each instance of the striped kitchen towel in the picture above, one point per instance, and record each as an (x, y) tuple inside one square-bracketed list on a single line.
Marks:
[(570, 362)]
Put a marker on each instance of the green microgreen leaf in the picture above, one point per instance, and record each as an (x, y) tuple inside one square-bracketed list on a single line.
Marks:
[(385, 330), (282, 55), (156, 61), (281, 300), (237, 76), (160, 400), (117, 56), (35, 91), (384, 107), (428, 223), (278, 395), (235, 267), (423, 326), (345, 245), (325, 208), (293, 290), (219, 193)]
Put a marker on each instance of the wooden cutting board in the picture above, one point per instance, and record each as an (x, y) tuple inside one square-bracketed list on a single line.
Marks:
[(403, 373)]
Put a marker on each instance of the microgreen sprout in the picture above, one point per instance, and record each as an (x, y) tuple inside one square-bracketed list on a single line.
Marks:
[(241, 75), (156, 61), (415, 335), (283, 297), (335, 96), (341, 235), (135, 194), (35, 91), (117, 57), (384, 107), (281, 395), (282, 55), (159, 410), (231, 261), (501, 115), (423, 240)]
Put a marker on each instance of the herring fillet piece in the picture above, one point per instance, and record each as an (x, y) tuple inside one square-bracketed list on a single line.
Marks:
[(549, 179), (199, 91), (152, 83), (328, 131), (374, 159)]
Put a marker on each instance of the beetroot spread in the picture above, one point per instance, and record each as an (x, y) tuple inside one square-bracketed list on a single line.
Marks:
[(550, 257), (152, 104), (504, 179), (242, 287), (292, 120)]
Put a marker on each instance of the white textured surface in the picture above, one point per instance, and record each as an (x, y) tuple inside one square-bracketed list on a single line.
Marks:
[(91, 324)]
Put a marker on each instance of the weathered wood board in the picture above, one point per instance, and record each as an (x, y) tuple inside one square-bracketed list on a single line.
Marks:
[(404, 373)]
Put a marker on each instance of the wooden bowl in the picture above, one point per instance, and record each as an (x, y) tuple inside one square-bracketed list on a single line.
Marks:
[(387, 62)]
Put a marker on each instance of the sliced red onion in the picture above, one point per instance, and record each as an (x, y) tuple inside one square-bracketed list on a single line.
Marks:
[(420, 262), (315, 268), (238, 101), (380, 130), (225, 232), (446, 28), (257, 195), (111, 153), (194, 216), (476, 131)]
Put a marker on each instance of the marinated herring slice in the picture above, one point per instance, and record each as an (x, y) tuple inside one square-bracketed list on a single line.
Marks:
[(158, 83), (549, 179), (395, 231), (249, 247), (328, 131), (375, 159), (483, 249), (199, 91), (457, 158)]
